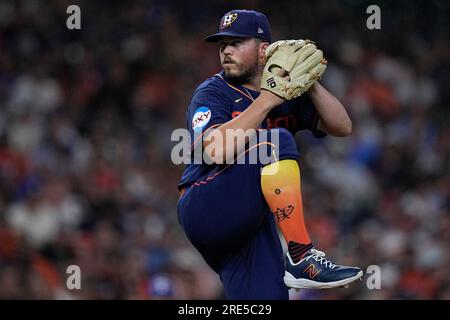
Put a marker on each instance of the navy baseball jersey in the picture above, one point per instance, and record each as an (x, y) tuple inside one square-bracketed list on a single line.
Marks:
[(217, 101)]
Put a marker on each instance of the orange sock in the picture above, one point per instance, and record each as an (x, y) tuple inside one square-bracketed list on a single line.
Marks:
[(280, 183)]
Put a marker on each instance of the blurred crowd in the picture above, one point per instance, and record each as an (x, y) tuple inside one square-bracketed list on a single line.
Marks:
[(86, 118)]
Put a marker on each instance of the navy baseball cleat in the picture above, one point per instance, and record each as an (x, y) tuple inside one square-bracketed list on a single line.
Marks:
[(314, 271)]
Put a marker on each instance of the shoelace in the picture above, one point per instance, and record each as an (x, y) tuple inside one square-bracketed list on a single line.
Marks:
[(319, 256)]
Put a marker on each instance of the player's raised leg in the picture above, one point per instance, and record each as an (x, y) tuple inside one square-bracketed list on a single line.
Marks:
[(227, 219), (230, 224)]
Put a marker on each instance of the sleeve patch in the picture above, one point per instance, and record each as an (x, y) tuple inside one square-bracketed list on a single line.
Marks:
[(201, 118)]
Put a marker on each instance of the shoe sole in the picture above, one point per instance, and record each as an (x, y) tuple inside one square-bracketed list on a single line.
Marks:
[(294, 283)]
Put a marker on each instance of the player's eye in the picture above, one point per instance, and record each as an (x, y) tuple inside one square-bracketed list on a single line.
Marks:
[(222, 46), (233, 43)]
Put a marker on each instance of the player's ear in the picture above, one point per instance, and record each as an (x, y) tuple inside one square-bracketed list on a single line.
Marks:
[(262, 51)]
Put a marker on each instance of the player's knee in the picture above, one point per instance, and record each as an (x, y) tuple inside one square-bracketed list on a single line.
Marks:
[(284, 135), (272, 145)]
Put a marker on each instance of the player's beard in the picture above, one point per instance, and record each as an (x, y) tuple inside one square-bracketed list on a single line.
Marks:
[(242, 73)]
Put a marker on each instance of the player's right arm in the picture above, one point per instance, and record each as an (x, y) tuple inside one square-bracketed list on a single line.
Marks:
[(219, 149)]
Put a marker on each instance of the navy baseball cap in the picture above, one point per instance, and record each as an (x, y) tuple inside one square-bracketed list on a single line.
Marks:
[(243, 23)]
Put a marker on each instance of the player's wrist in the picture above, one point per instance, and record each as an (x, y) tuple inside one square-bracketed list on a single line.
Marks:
[(313, 89), (270, 99)]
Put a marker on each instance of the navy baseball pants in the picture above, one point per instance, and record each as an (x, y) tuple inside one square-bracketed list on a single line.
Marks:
[(228, 221)]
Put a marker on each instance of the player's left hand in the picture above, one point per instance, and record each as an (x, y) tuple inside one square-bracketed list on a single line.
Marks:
[(302, 65)]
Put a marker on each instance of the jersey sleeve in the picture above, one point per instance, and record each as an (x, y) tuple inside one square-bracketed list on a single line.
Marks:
[(208, 108)]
